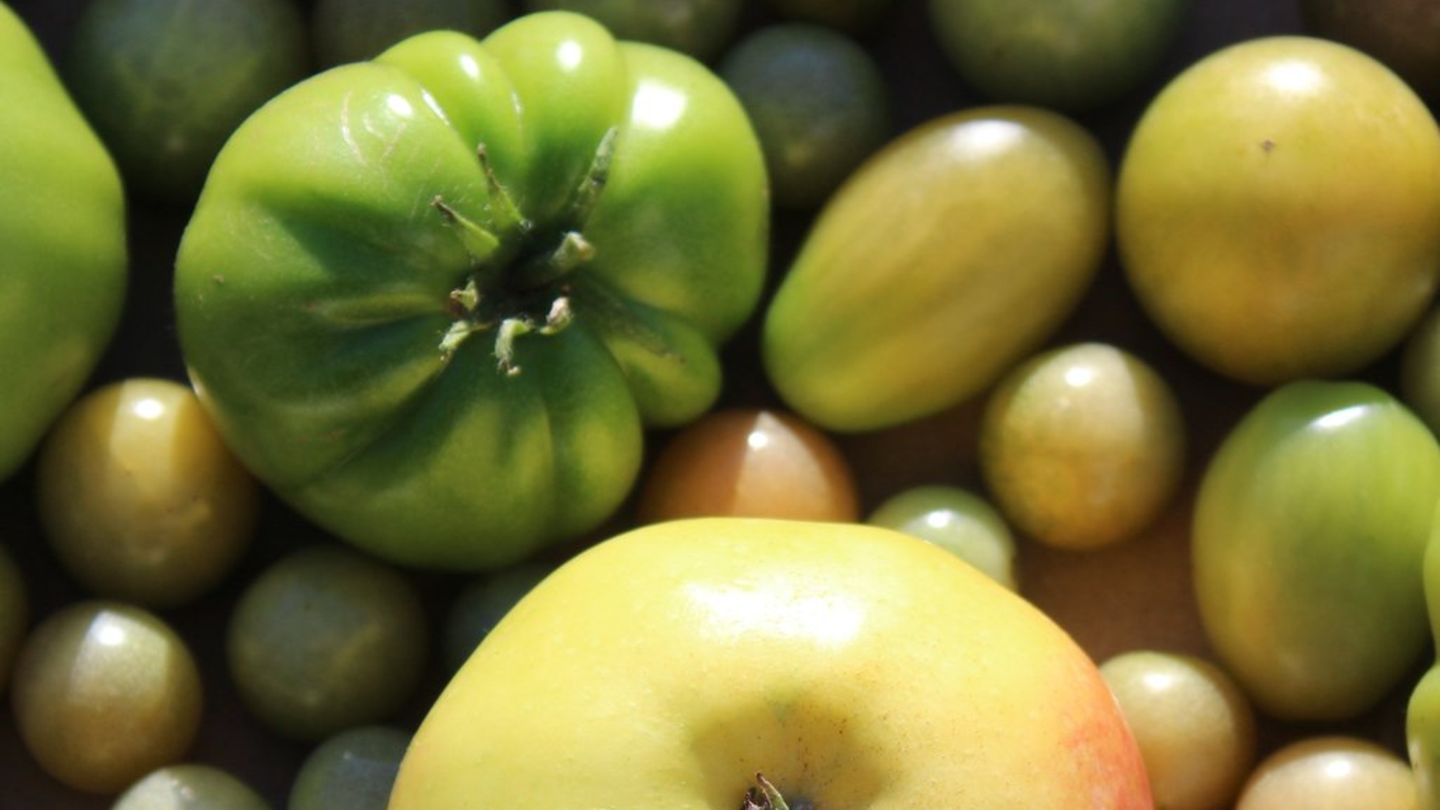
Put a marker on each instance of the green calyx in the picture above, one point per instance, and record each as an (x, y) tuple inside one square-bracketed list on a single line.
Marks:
[(520, 287)]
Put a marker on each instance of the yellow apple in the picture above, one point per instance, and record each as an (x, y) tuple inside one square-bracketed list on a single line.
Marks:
[(856, 668)]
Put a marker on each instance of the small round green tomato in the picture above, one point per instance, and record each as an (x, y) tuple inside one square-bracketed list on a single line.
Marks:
[(103, 694), (1083, 446), (850, 15), (957, 521), (62, 225), (1310, 529), (354, 770), (1195, 729), (139, 496), (1278, 210), (324, 640), (1067, 54), (1331, 773), (818, 103), (697, 27), (482, 605), (165, 82), (352, 30), (190, 787)]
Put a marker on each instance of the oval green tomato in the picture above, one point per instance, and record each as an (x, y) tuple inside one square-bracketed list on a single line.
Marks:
[(1278, 210), (1310, 525), (62, 224), (433, 299), (929, 273)]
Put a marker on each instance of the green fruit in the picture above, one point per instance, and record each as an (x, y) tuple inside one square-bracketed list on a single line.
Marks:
[(956, 520), (354, 770), (1067, 54), (893, 310), (190, 787), (62, 224), (1310, 526), (818, 103), (165, 82), (441, 336), (355, 30), (482, 605)]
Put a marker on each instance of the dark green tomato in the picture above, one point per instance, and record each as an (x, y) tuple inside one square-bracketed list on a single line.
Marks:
[(190, 787), (1066, 54), (1404, 34), (1309, 533), (432, 300), (14, 613), (697, 27), (850, 15), (354, 770), (353, 30), (818, 103), (482, 605), (165, 82), (325, 640), (62, 228)]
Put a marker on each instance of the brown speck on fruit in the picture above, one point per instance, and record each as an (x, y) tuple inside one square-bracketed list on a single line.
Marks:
[(1267, 145)]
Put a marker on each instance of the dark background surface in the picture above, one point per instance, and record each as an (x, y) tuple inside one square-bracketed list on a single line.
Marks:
[(1136, 595)]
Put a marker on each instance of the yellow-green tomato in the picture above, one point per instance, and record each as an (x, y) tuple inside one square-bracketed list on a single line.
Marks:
[(1195, 729), (1278, 210), (140, 498), (1330, 773), (1309, 531), (945, 259), (14, 612), (1422, 715), (103, 694), (1082, 446), (326, 639), (190, 787), (956, 520)]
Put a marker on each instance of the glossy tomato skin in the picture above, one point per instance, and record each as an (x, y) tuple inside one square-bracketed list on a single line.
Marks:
[(927, 275), (1278, 210), (841, 661), (64, 280), (1422, 716), (342, 288), (1309, 530)]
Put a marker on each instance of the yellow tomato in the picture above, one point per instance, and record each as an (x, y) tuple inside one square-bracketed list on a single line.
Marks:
[(852, 666), (1278, 209)]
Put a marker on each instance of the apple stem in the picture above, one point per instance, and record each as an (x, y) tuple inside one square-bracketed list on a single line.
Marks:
[(766, 797)]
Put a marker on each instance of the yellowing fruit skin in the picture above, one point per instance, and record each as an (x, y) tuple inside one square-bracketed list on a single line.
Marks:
[(854, 667), (1278, 210)]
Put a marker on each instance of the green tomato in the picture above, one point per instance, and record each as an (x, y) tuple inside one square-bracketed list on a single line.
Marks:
[(818, 102), (354, 769), (326, 639), (481, 606), (1309, 530), (352, 30), (165, 82), (62, 224), (697, 27), (1422, 716), (1278, 210), (928, 275), (433, 300), (190, 787), (1067, 54), (956, 520)]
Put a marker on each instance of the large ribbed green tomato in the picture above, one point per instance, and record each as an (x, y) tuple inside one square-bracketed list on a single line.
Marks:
[(433, 299), (1278, 210), (62, 228)]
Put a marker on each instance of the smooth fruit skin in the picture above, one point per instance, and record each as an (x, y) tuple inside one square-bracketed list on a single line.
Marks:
[(1064, 54), (1278, 210), (354, 770), (62, 223), (1309, 530), (354, 30), (1422, 716), (190, 787), (956, 520), (319, 278), (927, 275), (1330, 773), (853, 666)]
